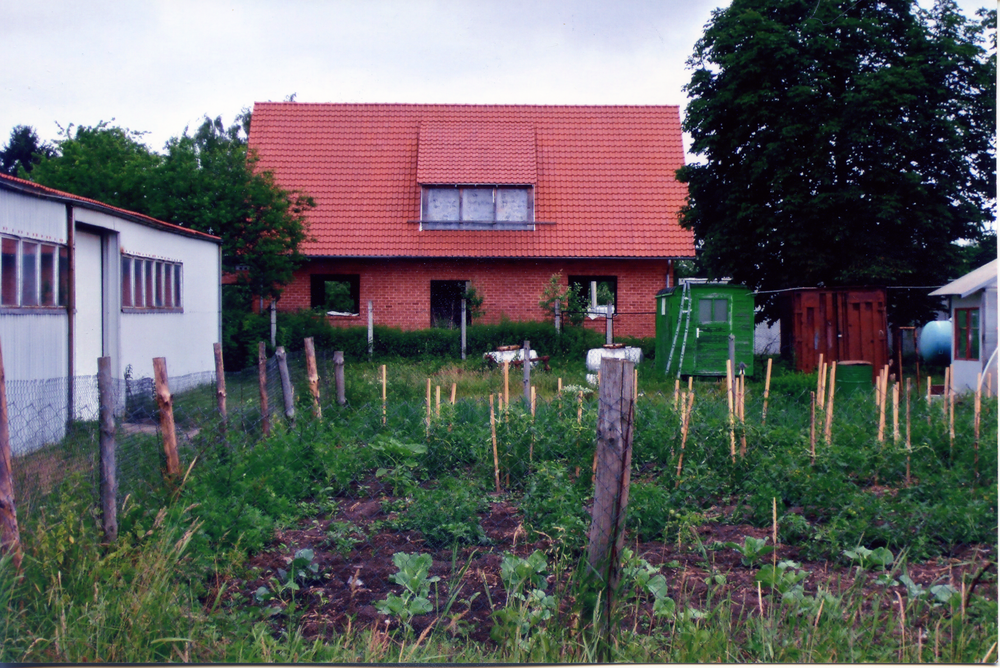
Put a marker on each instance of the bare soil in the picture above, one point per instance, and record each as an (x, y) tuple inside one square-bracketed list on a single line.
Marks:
[(344, 594)]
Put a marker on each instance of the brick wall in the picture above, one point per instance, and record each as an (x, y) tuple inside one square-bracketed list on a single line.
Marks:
[(400, 289)]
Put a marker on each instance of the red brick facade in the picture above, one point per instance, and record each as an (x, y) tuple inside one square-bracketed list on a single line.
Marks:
[(400, 289)]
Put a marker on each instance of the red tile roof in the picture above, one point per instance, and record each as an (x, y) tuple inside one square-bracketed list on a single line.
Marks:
[(603, 175)]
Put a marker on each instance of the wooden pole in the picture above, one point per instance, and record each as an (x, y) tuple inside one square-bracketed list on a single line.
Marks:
[(558, 317), (312, 376), (493, 434), (895, 412), (287, 391), (437, 401), (382, 373), (506, 383), (635, 388), (338, 379), (265, 413), (463, 329), (526, 364), (951, 409), (812, 427), (165, 403), (767, 390), (10, 535), (820, 372), (928, 401), (614, 448), (533, 398), (109, 469), (830, 392), (687, 404), (579, 407), (742, 415), (454, 390), (975, 423), (608, 326), (732, 419), (428, 406), (220, 383), (909, 447), (677, 392), (371, 330), (883, 379)]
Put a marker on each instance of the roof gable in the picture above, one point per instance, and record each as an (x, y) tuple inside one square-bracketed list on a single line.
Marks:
[(977, 279), (604, 176)]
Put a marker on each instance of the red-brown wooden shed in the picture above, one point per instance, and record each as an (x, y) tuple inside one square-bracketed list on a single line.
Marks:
[(842, 324)]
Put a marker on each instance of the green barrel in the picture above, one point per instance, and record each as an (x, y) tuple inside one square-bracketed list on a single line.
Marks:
[(854, 376)]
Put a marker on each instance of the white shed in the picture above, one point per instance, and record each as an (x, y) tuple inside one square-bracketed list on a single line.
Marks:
[(973, 308), (81, 280)]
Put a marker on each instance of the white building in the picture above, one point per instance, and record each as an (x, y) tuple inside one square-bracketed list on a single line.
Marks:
[(973, 309), (81, 280)]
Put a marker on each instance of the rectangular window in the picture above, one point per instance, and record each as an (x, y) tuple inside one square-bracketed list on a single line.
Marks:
[(335, 294), (967, 334), (63, 275), (126, 281), (8, 270), (713, 310), (477, 207), (48, 273), (151, 285), (29, 273)]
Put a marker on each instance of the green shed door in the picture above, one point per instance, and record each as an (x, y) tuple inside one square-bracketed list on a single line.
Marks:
[(713, 324)]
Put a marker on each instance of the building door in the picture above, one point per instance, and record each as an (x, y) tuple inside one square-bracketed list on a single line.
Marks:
[(714, 325), (446, 303), (89, 322)]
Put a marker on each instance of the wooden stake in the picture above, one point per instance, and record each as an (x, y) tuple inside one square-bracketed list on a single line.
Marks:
[(767, 390), (883, 379), (774, 521), (437, 401), (382, 373), (895, 412), (690, 384), (742, 414), (821, 382), (109, 469), (928, 401), (812, 427), (312, 376), (533, 395), (506, 383), (220, 383), (687, 402), (165, 403), (428, 406), (951, 413), (338, 378), (677, 389), (559, 385), (10, 534), (265, 413), (635, 384), (975, 423), (287, 391), (732, 419), (831, 391), (493, 434), (579, 407), (909, 448), (454, 391)]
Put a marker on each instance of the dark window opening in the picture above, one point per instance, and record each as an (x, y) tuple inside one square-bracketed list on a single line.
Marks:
[(596, 292), (48, 271), (446, 304), (713, 310), (8, 267), (967, 333), (126, 281), (335, 293)]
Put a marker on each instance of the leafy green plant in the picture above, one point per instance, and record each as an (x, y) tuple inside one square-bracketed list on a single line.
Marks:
[(521, 623), (284, 587), (554, 506), (413, 577), (342, 536), (867, 559), (402, 458), (447, 514), (752, 550)]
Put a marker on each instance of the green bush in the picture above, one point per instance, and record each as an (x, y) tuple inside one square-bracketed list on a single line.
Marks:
[(553, 505), (448, 514)]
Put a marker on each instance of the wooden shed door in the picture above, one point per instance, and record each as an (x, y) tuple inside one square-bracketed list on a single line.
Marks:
[(713, 320), (863, 328)]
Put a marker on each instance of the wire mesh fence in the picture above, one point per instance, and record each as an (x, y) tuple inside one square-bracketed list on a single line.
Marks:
[(485, 465)]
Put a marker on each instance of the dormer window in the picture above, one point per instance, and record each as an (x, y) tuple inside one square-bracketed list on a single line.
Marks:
[(477, 207)]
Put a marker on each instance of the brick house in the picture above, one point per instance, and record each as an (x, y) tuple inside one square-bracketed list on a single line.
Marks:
[(414, 202)]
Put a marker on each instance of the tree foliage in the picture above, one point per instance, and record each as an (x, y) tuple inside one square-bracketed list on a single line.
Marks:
[(207, 181), (23, 151), (844, 143)]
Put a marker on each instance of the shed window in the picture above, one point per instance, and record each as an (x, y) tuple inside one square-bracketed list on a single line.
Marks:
[(967, 333), (335, 294), (477, 207), (713, 310), (151, 285), (33, 273)]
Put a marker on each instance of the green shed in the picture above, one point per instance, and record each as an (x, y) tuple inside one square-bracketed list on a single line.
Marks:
[(693, 324)]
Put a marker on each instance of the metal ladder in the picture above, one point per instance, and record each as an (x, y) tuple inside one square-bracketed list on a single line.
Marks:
[(685, 310)]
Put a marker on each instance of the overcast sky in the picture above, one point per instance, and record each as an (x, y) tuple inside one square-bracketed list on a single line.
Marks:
[(161, 65)]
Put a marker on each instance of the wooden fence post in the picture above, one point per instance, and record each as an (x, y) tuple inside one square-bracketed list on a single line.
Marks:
[(558, 317), (312, 375), (526, 359), (287, 392), (609, 332), (338, 376), (265, 413), (166, 404), (10, 535), (463, 329), (371, 330), (615, 419), (109, 471), (220, 383)]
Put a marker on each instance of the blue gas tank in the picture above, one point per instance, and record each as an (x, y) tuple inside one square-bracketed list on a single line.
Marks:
[(934, 343)]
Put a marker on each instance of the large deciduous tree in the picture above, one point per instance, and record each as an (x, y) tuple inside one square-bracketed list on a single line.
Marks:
[(844, 143)]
